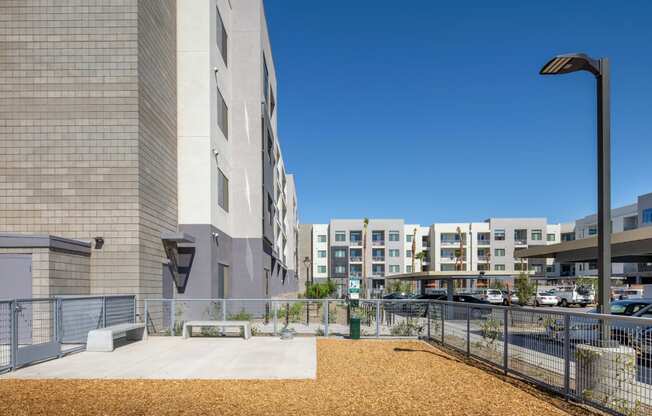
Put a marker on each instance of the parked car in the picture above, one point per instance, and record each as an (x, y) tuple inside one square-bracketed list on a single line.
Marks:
[(622, 293), (574, 295), (460, 313), (546, 299), (398, 295), (493, 296), (587, 330)]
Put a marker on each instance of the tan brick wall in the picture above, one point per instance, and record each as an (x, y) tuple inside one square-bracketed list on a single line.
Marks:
[(83, 134)]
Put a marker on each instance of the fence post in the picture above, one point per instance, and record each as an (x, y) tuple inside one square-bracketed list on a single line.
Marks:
[(14, 333), (172, 323), (377, 318), (567, 355), (326, 317), (468, 331), (58, 324), (103, 311), (224, 309), (443, 322), (506, 340), (275, 313), (145, 314), (135, 309), (428, 318)]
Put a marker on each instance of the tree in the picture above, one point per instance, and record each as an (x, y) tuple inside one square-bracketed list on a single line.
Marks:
[(399, 286), (420, 256), (524, 288)]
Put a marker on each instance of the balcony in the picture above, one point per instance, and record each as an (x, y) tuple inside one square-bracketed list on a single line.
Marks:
[(378, 242), (449, 243), (520, 241), (447, 259), (355, 259), (484, 242), (378, 258), (356, 243), (483, 258), (355, 274)]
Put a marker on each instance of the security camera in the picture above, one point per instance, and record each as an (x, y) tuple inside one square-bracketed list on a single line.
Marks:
[(215, 152)]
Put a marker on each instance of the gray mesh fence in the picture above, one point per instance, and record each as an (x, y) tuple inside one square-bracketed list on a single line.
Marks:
[(77, 317), (120, 310), (5, 335)]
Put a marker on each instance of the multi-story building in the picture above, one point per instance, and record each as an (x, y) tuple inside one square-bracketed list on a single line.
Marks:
[(470, 246), (150, 149)]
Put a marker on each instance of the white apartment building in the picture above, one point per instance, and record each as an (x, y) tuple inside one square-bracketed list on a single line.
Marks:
[(235, 196)]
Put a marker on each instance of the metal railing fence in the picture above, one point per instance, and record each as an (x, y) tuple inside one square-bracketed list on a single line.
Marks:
[(33, 330)]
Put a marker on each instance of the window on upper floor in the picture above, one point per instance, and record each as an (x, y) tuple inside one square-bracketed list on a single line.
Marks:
[(394, 252), (537, 235), (551, 237), (499, 252), (499, 235), (340, 235), (593, 230), (408, 253), (265, 80), (408, 238), (394, 268), (394, 236), (223, 190), (647, 216), (340, 253), (221, 37), (322, 238), (321, 269), (408, 269), (499, 267), (340, 269), (222, 115), (321, 253)]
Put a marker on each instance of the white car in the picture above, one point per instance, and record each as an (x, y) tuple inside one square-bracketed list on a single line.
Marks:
[(546, 299), (574, 295), (493, 296)]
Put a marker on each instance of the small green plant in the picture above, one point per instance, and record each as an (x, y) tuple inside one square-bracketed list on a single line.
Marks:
[(240, 316), (397, 286), (407, 328), (320, 290), (490, 330), (293, 311)]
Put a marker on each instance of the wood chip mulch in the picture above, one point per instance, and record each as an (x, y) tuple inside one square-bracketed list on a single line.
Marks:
[(365, 377)]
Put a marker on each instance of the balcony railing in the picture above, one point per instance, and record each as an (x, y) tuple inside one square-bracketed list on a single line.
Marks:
[(378, 274), (356, 259), (355, 274), (378, 242), (483, 258), (450, 242), (356, 243), (378, 258), (484, 242), (520, 241)]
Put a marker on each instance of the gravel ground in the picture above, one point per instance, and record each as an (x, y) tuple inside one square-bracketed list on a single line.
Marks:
[(366, 377)]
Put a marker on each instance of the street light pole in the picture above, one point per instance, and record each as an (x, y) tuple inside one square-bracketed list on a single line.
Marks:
[(564, 64), (604, 186)]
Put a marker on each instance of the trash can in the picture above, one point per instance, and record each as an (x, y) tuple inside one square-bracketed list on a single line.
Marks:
[(354, 328)]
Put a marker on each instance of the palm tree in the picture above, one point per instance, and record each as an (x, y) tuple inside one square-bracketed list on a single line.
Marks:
[(414, 248), (364, 255), (422, 255)]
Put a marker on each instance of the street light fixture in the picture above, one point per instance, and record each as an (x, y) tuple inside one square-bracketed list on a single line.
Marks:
[(564, 64)]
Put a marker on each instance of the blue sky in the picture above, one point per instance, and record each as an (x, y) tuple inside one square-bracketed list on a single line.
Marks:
[(434, 111)]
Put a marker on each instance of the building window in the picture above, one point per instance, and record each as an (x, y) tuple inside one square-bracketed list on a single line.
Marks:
[(568, 236), (647, 216), (394, 252), (340, 253), (221, 36), (520, 267), (270, 146), (499, 252), (536, 268), (355, 236), (394, 268), (408, 253), (394, 236), (499, 235), (321, 253), (551, 237), (537, 235), (265, 80), (222, 115), (408, 238), (340, 269), (593, 230), (520, 236), (447, 267), (322, 238), (499, 267), (321, 269), (378, 237), (223, 190), (408, 269), (340, 236)]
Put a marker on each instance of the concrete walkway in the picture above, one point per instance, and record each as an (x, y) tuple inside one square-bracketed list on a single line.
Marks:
[(264, 358)]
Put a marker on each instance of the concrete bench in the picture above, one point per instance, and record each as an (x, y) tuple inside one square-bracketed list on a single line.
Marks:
[(101, 340), (246, 327)]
